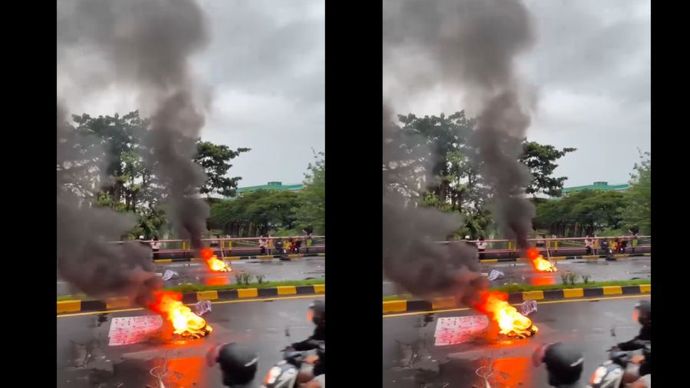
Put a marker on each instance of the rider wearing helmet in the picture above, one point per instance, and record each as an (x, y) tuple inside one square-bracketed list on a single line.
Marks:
[(643, 315), (237, 363), (316, 314), (564, 364)]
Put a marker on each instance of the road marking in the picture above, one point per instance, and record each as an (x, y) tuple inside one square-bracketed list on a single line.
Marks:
[(516, 304), (190, 304)]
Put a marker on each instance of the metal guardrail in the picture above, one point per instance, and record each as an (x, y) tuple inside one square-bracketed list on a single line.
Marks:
[(557, 242), (227, 242), (227, 246)]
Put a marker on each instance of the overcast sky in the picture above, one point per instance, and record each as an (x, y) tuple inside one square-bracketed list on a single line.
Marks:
[(591, 70), (265, 66)]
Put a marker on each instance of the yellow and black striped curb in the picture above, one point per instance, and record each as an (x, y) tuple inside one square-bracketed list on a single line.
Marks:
[(559, 258), (403, 306), (76, 305), (233, 258)]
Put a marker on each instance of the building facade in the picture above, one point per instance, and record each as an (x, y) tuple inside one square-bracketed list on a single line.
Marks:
[(600, 186)]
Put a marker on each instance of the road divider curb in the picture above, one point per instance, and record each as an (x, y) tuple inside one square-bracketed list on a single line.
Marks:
[(444, 303), (291, 256), (77, 306), (559, 258)]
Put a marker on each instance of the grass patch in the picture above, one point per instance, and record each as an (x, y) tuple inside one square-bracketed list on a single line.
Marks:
[(527, 287), (184, 288)]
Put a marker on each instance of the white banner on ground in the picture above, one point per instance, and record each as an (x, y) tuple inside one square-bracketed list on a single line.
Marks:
[(133, 330), (456, 330), (202, 307), (495, 274), (528, 307)]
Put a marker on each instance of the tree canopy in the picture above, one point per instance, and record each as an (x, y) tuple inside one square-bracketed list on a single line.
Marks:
[(276, 212), (443, 149), (114, 172), (605, 212)]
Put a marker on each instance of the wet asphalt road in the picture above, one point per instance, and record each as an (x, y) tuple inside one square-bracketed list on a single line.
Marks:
[(598, 270), (273, 270), (588, 324), (260, 324)]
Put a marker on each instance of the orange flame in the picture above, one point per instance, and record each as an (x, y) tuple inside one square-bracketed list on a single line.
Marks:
[(538, 261), (212, 261), (184, 322), (510, 321)]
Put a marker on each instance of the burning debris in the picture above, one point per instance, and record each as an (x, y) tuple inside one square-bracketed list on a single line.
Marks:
[(183, 321), (212, 261), (510, 322), (538, 262)]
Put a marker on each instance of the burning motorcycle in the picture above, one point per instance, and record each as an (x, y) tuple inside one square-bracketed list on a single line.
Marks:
[(610, 373)]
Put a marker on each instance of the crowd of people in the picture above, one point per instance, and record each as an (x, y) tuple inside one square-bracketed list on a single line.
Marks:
[(270, 245), (267, 244), (595, 245)]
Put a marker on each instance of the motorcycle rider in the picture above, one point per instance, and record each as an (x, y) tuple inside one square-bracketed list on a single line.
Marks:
[(317, 315), (643, 382), (237, 363), (563, 362), (643, 315)]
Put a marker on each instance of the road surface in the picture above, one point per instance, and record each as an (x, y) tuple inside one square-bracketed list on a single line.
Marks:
[(588, 324), (260, 324), (598, 270), (272, 270)]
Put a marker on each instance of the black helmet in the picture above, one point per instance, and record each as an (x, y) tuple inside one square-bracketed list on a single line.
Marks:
[(564, 363), (643, 312), (317, 311), (238, 364)]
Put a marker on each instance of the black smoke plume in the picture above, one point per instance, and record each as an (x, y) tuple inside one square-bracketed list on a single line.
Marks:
[(469, 47), (145, 46)]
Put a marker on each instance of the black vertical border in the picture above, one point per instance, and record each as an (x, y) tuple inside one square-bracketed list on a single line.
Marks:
[(29, 82), (670, 218), (353, 190)]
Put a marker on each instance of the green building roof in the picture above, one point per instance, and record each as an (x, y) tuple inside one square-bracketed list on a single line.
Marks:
[(277, 186), (602, 186)]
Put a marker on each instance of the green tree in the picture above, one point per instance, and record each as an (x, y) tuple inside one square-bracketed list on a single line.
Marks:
[(121, 164), (215, 160), (540, 159), (311, 211), (108, 155), (255, 213), (442, 150), (580, 213), (637, 212)]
